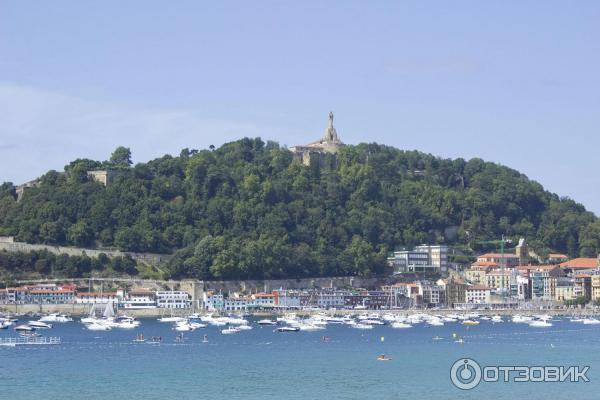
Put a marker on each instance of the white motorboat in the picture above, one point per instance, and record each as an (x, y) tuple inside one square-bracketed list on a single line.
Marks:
[(266, 322), (519, 319), (362, 326), (98, 326), (590, 321), (540, 323), (244, 327), (24, 328), (39, 325), (172, 319), (126, 324), (497, 319), (56, 318), (230, 330), (400, 325), (372, 322), (435, 322)]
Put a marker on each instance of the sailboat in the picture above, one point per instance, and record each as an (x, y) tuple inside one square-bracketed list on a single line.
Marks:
[(91, 318)]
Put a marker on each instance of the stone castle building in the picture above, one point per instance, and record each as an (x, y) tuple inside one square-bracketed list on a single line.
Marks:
[(330, 143)]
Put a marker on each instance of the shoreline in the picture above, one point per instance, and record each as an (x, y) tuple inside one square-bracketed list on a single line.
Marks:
[(78, 310)]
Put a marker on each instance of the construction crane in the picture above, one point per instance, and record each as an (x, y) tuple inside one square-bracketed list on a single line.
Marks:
[(502, 242)]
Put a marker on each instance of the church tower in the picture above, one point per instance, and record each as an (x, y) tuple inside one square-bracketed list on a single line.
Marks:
[(330, 143)]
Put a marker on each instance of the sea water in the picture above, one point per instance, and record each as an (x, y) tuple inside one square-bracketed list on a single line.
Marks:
[(336, 363)]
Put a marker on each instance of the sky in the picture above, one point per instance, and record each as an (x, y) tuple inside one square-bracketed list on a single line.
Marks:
[(514, 82)]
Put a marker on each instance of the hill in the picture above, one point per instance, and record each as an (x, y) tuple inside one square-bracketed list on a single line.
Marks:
[(247, 210)]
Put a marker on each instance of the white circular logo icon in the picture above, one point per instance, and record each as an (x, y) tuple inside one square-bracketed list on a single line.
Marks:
[(465, 374)]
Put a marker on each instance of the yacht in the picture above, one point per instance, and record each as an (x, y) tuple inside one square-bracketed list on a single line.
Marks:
[(267, 322), (126, 322), (56, 318), (98, 326), (39, 325), (24, 328), (183, 327)]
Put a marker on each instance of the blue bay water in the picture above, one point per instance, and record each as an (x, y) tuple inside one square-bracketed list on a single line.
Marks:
[(263, 364)]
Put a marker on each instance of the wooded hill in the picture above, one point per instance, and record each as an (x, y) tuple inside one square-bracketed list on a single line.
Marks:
[(247, 210)]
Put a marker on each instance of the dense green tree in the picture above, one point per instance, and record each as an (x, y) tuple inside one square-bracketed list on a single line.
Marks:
[(120, 158)]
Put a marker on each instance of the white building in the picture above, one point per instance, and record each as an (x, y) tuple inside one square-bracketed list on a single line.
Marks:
[(138, 299), (477, 294), (424, 258), (173, 299)]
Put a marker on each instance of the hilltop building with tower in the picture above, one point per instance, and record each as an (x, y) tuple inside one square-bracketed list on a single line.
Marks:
[(330, 143)]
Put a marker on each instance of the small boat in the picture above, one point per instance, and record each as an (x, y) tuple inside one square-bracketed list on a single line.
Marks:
[(139, 338), (155, 340), (540, 324), (590, 321), (370, 321), (205, 339), (24, 328), (244, 327), (266, 322), (288, 329), (98, 327), (438, 338), (459, 341), (362, 326), (470, 322), (5, 325), (400, 325), (56, 318), (230, 331), (184, 327), (383, 358), (39, 325), (172, 319)]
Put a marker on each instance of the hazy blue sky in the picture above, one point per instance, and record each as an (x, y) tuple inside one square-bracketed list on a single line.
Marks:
[(512, 82)]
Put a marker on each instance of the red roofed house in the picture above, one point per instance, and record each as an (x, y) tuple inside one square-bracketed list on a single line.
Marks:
[(578, 265)]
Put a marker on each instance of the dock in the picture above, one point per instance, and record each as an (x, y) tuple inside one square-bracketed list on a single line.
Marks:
[(33, 341)]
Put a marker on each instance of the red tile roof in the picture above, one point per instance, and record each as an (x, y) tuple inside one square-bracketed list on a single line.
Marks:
[(581, 263)]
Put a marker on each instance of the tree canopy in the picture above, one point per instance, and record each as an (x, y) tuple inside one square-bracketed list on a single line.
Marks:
[(247, 210)]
